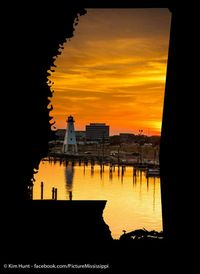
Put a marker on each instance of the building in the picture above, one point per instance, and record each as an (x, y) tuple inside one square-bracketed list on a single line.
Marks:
[(126, 137), (70, 145), (60, 134), (97, 131), (80, 135)]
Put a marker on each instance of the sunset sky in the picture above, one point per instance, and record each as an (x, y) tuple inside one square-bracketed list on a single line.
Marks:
[(113, 70)]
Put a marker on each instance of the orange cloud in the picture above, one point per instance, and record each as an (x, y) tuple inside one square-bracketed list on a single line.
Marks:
[(113, 72)]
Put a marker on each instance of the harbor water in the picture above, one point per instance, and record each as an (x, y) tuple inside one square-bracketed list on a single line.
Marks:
[(133, 202)]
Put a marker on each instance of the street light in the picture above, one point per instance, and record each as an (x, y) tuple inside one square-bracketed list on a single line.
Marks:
[(140, 131)]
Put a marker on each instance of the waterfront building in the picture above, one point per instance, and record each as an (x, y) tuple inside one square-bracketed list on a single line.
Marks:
[(70, 145), (97, 131), (126, 137), (60, 134), (80, 135)]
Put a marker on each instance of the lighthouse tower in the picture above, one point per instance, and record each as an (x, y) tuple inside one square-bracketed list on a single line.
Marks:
[(69, 145)]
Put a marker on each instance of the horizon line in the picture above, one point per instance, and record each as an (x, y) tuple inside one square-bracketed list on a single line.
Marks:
[(159, 135)]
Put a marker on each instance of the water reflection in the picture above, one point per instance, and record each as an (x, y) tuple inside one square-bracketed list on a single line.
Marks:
[(154, 194), (101, 174), (147, 184), (110, 176), (133, 200), (92, 170), (69, 176)]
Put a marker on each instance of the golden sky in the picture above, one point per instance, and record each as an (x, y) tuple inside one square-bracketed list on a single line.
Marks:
[(113, 70)]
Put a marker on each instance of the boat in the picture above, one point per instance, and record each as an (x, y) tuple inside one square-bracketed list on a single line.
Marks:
[(153, 172)]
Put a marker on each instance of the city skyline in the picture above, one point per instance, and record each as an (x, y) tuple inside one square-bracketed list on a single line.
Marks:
[(113, 70), (140, 131)]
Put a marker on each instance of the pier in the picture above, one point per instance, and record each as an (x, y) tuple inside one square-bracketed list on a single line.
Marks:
[(92, 159)]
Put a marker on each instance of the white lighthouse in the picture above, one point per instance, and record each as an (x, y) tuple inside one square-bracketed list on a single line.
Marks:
[(69, 145)]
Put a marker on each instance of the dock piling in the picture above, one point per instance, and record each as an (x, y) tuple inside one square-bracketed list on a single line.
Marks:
[(42, 190), (70, 195), (53, 193), (56, 192)]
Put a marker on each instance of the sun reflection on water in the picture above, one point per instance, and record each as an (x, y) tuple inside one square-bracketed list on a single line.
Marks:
[(132, 202)]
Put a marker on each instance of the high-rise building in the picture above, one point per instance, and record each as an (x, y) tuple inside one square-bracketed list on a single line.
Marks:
[(70, 145), (97, 131)]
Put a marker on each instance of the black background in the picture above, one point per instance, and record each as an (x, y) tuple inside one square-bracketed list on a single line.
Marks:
[(32, 32)]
